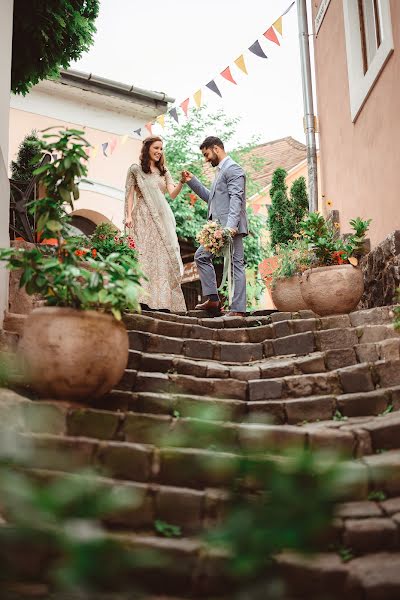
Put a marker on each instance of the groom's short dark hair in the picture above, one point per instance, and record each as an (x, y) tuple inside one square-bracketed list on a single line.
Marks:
[(211, 141)]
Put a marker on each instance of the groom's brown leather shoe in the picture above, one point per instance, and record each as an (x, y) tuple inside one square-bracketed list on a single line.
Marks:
[(213, 307)]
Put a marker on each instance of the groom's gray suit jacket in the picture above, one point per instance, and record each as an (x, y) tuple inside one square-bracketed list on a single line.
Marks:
[(227, 197)]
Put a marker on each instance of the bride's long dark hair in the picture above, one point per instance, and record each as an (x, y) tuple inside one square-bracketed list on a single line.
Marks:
[(145, 156)]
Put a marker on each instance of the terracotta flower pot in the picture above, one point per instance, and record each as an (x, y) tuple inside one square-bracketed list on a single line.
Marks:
[(286, 294), (332, 290), (73, 354)]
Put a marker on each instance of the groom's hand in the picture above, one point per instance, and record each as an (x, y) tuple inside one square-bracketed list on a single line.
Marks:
[(233, 231), (186, 176)]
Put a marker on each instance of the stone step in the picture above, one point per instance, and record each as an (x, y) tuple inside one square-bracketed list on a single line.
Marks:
[(372, 577), (258, 331), (14, 322), (363, 377), (197, 468), (272, 367), (239, 351), (377, 316), (190, 509)]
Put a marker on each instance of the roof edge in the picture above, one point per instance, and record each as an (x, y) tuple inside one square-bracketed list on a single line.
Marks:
[(97, 83)]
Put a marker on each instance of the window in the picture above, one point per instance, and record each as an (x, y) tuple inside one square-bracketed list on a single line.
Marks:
[(369, 43)]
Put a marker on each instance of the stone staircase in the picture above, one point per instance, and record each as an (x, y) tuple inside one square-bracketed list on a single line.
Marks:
[(265, 383)]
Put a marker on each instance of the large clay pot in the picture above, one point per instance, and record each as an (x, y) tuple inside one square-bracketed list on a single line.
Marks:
[(73, 354), (286, 294), (332, 290)]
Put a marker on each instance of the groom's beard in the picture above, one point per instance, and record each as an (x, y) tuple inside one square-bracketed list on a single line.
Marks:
[(214, 160)]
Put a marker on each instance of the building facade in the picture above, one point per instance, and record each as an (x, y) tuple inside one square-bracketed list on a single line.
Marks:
[(357, 63), (108, 112)]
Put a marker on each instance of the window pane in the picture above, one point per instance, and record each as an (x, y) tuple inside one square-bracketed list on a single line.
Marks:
[(371, 23)]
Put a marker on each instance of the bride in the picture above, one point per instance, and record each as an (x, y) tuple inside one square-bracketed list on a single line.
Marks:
[(150, 221)]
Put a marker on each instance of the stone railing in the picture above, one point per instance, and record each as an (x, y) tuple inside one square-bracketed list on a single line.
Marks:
[(381, 268)]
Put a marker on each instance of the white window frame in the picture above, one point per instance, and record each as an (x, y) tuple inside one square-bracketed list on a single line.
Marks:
[(360, 84)]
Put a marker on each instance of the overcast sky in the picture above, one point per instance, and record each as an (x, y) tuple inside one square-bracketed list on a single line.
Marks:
[(176, 47)]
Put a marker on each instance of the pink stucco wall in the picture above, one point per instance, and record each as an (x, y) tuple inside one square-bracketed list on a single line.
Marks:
[(109, 171), (360, 162)]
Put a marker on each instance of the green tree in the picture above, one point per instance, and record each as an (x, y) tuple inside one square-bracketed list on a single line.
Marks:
[(48, 36), (299, 199), (182, 152), (279, 211), (27, 158), (286, 214)]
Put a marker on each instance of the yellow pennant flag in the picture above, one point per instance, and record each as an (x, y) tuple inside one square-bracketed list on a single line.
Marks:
[(197, 98), (278, 25), (124, 139), (161, 120), (94, 151), (239, 62)]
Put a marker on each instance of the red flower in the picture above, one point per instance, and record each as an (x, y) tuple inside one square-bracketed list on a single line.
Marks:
[(94, 252), (193, 199), (338, 257)]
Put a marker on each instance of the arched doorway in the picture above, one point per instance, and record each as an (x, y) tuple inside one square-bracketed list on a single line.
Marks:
[(85, 220)]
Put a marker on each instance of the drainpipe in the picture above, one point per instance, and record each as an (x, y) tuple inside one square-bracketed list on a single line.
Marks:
[(309, 120)]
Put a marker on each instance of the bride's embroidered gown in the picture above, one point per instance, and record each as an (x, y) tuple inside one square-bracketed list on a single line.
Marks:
[(154, 231)]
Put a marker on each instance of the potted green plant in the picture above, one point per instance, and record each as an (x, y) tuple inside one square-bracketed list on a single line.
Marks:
[(293, 259), (75, 347), (333, 284)]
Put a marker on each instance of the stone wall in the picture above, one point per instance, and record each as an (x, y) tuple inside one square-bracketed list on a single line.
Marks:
[(381, 269)]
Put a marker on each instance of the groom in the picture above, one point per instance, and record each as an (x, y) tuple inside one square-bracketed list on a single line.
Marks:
[(226, 203)]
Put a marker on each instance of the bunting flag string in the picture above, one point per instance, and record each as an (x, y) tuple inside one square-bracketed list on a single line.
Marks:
[(255, 48), (239, 62), (197, 98), (174, 114), (185, 106), (271, 36), (226, 73), (213, 87)]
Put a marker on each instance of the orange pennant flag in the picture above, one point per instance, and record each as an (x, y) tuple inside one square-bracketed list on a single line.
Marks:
[(271, 36), (149, 129), (226, 73), (239, 62), (197, 98), (278, 25), (161, 120), (185, 106)]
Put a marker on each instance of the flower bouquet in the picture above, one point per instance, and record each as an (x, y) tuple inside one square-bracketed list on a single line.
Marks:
[(214, 238)]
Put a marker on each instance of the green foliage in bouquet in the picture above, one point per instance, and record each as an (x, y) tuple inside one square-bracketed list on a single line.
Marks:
[(65, 275)]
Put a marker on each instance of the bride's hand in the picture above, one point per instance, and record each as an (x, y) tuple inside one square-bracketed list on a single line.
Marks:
[(128, 222), (186, 176)]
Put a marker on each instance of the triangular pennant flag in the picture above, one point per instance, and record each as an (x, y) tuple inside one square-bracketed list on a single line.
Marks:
[(239, 62), (94, 151), (213, 87), (124, 139), (287, 10), (228, 75), (278, 25), (271, 36), (113, 143), (148, 127), (138, 131), (185, 106), (197, 98), (257, 50), (161, 120), (174, 114), (105, 146)]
